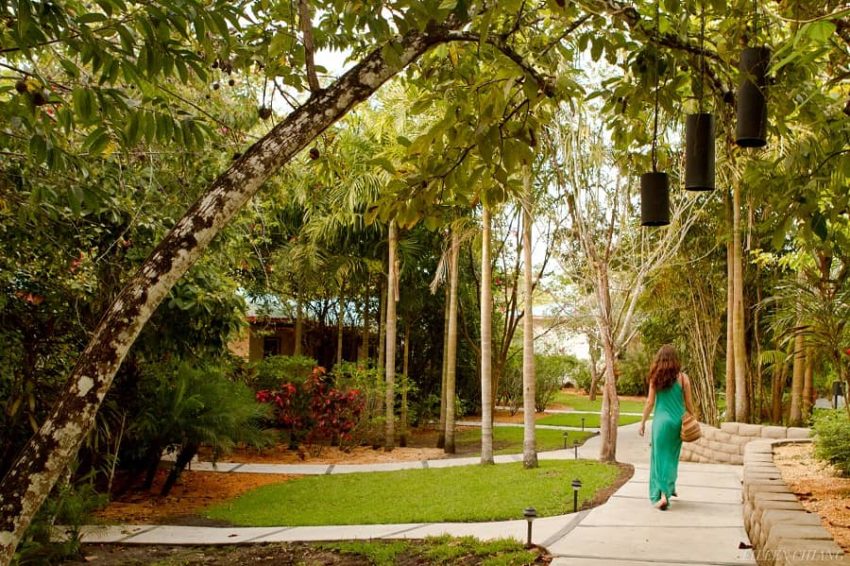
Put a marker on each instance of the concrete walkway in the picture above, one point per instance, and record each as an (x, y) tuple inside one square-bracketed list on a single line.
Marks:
[(703, 526)]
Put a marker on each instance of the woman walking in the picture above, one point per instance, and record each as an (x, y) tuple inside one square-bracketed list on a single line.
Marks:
[(669, 395)]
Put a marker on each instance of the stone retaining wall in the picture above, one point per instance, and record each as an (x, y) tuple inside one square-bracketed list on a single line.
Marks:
[(725, 445), (781, 531)]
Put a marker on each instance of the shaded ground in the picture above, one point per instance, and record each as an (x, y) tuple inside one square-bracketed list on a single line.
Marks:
[(443, 550), (281, 454), (819, 488), (193, 491)]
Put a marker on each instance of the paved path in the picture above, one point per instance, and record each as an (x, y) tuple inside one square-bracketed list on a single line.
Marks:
[(703, 526)]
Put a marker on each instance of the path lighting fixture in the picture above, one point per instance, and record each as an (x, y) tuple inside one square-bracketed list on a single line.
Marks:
[(530, 513), (576, 487), (566, 434), (582, 424), (575, 447)]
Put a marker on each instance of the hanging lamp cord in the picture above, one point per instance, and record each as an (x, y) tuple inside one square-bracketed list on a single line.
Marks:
[(657, 73)]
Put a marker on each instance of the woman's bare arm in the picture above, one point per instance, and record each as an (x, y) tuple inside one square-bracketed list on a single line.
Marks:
[(689, 400), (647, 409)]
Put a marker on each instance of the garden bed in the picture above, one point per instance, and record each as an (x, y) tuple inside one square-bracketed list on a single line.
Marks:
[(436, 550), (818, 487)]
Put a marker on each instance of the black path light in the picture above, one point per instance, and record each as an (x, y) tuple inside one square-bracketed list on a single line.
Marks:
[(576, 486), (751, 128), (655, 186), (575, 447), (530, 513), (699, 134)]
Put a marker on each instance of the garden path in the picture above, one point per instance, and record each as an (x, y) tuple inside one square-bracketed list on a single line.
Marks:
[(705, 526)]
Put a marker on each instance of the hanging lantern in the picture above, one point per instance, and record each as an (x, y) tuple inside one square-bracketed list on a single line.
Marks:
[(699, 152), (751, 130), (654, 199)]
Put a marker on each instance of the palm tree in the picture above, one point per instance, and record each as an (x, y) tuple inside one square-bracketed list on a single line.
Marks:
[(529, 444), (486, 340)]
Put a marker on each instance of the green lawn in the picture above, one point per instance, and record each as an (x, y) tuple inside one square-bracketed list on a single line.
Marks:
[(582, 403), (508, 439), (574, 419), (437, 550), (466, 493)]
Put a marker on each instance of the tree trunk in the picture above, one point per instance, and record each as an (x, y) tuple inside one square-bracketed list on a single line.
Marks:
[(730, 323), (529, 442), (808, 386), (451, 357), (742, 402), (795, 412), (486, 341), (363, 351), (299, 323), (402, 433), (776, 392), (185, 456), (49, 451), (340, 328), (392, 292), (382, 346), (610, 414), (441, 436)]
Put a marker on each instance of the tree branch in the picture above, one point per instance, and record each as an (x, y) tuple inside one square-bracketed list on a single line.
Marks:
[(305, 20)]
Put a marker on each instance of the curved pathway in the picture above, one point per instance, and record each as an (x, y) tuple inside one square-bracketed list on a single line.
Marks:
[(704, 526)]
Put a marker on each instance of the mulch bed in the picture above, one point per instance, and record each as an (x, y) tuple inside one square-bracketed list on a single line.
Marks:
[(819, 488)]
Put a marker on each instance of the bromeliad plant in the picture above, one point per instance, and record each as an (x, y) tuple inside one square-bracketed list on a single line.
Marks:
[(314, 410)]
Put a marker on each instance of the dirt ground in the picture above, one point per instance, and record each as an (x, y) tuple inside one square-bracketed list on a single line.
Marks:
[(819, 488), (193, 491), (277, 554), (281, 454)]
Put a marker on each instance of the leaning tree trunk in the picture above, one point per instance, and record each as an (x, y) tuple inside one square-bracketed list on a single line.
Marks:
[(451, 355), (49, 451), (392, 297), (486, 341), (739, 346), (529, 440)]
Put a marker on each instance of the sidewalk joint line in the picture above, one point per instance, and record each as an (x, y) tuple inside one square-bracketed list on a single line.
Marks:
[(252, 539), (425, 464), (234, 468), (330, 469), (566, 529), (406, 530), (700, 502), (143, 531)]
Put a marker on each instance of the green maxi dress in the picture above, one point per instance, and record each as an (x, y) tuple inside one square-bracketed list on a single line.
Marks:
[(666, 442)]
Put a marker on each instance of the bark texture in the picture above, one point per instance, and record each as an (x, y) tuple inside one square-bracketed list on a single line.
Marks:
[(730, 343), (392, 291), (529, 441), (451, 348), (50, 450), (486, 341), (739, 346)]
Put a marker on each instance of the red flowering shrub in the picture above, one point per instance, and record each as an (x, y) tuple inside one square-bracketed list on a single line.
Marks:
[(314, 409)]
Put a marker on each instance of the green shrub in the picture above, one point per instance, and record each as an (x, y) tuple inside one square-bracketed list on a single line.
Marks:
[(551, 372), (274, 370), (832, 439), (634, 372)]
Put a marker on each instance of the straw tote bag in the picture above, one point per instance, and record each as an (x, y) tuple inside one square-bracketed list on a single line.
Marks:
[(690, 428)]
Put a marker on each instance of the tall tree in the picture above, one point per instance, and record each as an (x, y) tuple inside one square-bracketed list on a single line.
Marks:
[(392, 299), (486, 339), (451, 346), (529, 442)]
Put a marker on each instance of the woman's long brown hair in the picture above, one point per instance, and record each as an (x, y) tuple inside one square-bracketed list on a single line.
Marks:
[(665, 368)]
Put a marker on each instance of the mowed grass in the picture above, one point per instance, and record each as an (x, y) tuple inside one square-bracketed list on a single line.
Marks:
[(582, 403), (590, 420), (438, 550), (508, 439), (465, 493)]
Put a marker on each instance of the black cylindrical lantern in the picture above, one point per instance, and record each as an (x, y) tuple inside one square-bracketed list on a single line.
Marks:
[(751, 130), (699, 152), (654, 199)]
